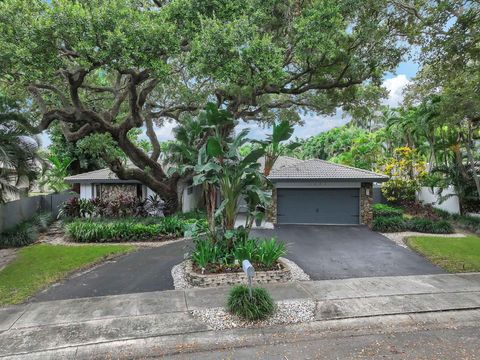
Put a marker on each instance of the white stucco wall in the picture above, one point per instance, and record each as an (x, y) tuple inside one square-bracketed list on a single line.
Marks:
[(427, 196), (190, 198)]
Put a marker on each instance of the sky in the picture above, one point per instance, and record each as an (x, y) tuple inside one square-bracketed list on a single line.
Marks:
[(393, 82)]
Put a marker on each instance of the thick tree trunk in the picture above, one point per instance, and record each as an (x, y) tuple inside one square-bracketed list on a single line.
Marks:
[(210, 192), (471, 160)]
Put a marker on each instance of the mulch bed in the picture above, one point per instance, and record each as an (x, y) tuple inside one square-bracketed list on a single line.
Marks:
[(228, 269), (420, 210)]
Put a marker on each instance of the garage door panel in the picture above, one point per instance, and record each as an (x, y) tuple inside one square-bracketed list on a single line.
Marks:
[(318, 206)]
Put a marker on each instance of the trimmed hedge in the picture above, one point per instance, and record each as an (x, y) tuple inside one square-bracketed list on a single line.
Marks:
[(430, 226), (397, 224), (27, 232), (386, 211), (389, 224)]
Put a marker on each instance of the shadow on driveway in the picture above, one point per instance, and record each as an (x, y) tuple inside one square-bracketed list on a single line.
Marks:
[(142, 271), (324, 252), (340, 252)]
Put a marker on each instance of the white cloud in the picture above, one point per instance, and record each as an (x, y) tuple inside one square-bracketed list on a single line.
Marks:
[(395, 87), (165, 132)]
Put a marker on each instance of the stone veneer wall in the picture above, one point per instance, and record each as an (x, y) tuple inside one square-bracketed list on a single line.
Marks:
[(115, 190), (366, 201), (211, 280)]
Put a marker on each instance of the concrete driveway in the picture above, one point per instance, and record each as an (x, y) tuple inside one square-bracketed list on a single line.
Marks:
[(340, 252)]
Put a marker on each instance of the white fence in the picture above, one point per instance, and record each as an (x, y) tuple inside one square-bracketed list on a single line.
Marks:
[(451, 204)]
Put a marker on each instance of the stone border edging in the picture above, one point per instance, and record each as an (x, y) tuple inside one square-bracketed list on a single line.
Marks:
[(185, 278)]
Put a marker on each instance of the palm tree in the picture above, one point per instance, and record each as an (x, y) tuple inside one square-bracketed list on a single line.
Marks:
[(18, 157)]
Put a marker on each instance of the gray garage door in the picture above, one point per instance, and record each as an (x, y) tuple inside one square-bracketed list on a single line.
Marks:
[(318, 206)]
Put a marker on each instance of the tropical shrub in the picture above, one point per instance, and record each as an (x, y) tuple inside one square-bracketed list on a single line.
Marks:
[(42, 221), (423, 225), (206, 252), (27, 232), (406, 171), (251, 308), (269, 251), (172, 225), (386, 211), (233, 248), (70, 208), (23, 234), (113, 231), (389, 224), (246, 250), (430, 226), (128, 228)]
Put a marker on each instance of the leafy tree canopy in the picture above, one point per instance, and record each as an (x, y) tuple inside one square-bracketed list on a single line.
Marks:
[(110, 66)]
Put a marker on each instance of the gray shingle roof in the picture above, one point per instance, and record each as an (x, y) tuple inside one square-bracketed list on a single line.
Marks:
[(102, 174), (316, 169), (106, 175), (281, 162)]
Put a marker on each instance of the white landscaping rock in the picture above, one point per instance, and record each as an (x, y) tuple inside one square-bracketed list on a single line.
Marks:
[(287, 312), (297, 272)]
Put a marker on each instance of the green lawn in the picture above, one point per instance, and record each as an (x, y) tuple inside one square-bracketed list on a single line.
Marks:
[(452, 254), (40, 265)]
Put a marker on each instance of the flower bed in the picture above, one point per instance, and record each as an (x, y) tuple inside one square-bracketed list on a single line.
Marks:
[(418, 219), (195, 278), (131, 229)]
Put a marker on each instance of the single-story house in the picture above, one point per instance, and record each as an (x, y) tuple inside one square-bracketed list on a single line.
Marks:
[(320, 192), (105, 183), (305, 191)]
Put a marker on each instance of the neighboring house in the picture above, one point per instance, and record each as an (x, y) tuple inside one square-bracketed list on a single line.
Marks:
[(105, 183), (320, 192)]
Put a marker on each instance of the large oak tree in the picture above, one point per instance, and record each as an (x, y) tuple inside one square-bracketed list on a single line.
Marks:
[(111, 66)]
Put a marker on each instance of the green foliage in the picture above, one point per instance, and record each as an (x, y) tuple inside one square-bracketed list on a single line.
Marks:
[(257, 307), (332, 143), (22, 235), (221, 165), (127, 229), (406, 171), (386, 211), (269, 251), (247, 249), (389, 224), (206, 252), (42, 221), (430, 226), (27, 232), (19, 158), (470, 223), (172, 225), (398, 223), (55, 174), (454, 254), (37, 266), (114, 231)]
